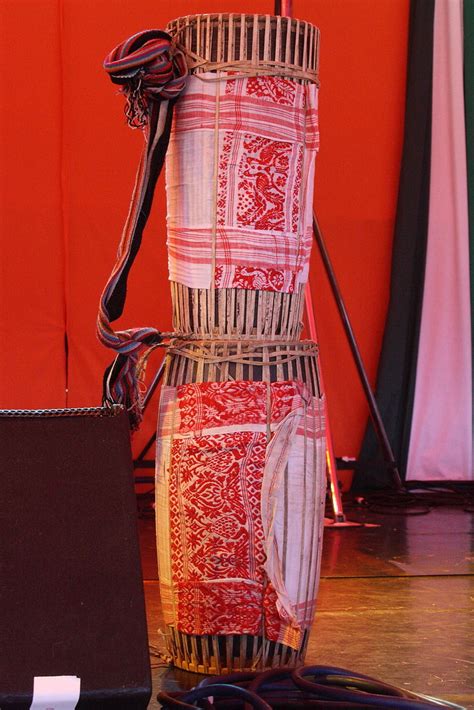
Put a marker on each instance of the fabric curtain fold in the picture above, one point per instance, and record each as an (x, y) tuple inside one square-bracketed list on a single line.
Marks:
[(441, 427), (468, 24), (424, 385), (397, 365)]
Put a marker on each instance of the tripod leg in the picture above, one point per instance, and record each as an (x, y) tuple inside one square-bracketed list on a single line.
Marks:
[(373, 409), (145, 449), (331, 470)]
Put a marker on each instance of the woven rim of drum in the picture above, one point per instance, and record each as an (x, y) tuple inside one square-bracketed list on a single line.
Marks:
[(217, 39)]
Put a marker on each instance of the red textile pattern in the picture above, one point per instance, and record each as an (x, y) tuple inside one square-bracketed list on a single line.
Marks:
[(215, 483), (212, 404), (278, 89), (216, 531), (266, 170), (263, 174), (213, 608)]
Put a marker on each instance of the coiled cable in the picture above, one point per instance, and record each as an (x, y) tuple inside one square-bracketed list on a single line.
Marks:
[(294, 688)]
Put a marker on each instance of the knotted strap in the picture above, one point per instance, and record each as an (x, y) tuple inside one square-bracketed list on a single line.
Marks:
[(152, 73)]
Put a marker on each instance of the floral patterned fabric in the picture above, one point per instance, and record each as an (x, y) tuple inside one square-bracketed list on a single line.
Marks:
[(225, 563), (240, 170)]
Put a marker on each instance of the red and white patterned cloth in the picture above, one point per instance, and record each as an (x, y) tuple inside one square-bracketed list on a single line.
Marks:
[(238, 542), (239, 174)]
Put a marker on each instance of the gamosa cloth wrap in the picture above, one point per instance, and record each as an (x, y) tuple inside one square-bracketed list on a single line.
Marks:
[(240, 506), (239, 177), (241, 463)]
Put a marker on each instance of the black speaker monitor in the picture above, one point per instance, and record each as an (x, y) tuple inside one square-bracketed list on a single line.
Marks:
[(71, 591)]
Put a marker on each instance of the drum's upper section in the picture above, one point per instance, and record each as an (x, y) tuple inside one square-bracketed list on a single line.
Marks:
[(215, 42), (240, 172)]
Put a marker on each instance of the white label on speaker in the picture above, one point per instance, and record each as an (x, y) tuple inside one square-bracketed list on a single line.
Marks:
[(56, 692)]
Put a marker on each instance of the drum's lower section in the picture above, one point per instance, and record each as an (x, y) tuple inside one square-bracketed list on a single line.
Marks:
[(240, 492), (218, 655)]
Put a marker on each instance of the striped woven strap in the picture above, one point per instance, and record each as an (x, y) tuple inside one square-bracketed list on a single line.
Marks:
[(152, 73)]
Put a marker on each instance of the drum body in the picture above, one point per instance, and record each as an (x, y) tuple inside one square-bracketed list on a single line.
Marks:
[(241, 435)]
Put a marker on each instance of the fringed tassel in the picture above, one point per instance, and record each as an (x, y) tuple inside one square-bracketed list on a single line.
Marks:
[(152, 73)]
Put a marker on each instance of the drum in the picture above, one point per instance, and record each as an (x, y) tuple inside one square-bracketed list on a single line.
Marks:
[(241, 434), (244, 139)]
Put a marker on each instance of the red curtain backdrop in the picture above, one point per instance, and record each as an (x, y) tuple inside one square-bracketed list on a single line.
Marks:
[(68, 163)]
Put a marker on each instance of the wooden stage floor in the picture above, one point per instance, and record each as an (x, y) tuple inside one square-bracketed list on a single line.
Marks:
[(395, 602)]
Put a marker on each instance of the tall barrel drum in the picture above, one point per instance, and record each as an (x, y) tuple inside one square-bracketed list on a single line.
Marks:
[(240, 484)]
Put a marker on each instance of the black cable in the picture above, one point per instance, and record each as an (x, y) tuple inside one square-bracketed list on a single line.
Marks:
[(350, 686), (292, 689), (394, 503), (418, 499), (220, 690)]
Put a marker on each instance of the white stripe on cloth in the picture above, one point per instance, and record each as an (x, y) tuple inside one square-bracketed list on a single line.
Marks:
[(168, 420), (293, 497), (441, 431)]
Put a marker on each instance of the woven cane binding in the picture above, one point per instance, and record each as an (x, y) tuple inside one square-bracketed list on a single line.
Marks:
[(216, 655), (259, 39)]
